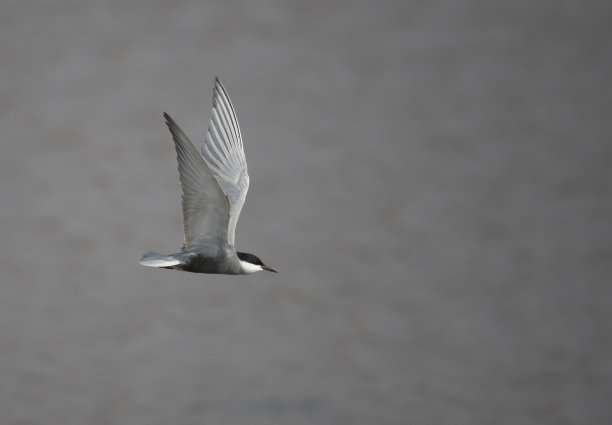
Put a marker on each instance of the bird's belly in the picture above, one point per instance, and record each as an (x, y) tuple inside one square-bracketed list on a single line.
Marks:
[(199, 263)]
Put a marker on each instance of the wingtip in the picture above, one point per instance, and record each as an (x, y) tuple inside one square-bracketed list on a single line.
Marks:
[(219, 85), (169, 121)]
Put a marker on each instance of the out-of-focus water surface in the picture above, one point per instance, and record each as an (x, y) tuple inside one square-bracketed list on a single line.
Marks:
[(431, 179)]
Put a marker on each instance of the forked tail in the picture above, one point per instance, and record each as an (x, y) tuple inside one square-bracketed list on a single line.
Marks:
[(155, 259)]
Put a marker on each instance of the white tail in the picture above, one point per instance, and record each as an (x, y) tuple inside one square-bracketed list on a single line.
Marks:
[(155, 259)]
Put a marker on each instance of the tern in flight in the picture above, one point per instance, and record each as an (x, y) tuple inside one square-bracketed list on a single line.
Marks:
[(215, 182)]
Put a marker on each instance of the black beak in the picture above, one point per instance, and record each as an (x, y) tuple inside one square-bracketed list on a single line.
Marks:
[(270, 269)]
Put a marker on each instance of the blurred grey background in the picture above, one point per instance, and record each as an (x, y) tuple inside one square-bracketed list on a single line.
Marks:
[(431, 179)]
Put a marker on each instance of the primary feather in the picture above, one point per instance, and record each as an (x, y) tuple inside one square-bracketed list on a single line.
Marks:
[(223, 153)]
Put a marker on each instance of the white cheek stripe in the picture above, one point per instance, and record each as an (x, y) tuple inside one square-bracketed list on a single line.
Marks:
[(249, 268)]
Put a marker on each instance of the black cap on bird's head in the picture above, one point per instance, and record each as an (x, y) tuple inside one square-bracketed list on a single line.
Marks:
[(251, 263)]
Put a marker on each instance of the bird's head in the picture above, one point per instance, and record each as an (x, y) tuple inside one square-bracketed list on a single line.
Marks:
[(251, 263)]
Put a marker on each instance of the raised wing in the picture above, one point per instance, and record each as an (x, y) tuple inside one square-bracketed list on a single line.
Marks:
[(206, 209), (223, 153)]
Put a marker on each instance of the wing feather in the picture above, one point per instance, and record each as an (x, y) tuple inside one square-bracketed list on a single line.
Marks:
[(223, 153), (205, 205), (215, 182)]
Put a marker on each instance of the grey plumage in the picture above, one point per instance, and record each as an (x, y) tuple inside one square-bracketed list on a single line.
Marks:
[(215, 182)]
